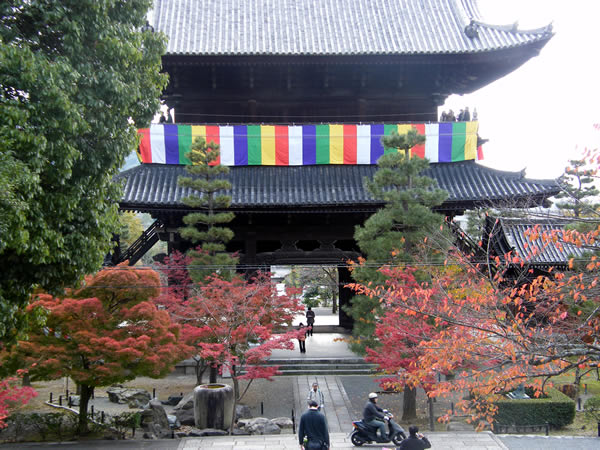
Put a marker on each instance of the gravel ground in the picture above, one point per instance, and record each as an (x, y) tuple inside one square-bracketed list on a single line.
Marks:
[(277, 395)]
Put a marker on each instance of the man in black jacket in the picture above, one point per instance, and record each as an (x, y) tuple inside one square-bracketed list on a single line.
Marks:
[(373, 415), (416, 441), (313, 426)]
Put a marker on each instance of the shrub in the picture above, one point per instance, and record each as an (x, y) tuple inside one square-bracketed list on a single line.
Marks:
[(592, 408), (556, 409)]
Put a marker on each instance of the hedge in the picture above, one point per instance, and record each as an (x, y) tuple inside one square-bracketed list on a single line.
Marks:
[(556, 409)]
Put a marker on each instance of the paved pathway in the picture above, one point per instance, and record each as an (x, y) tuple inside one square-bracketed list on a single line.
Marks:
[(337, 404), (319, 345), (439, 441), (520, 442)]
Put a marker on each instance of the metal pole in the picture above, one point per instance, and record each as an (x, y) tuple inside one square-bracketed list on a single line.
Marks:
[(50, 397), (547, 429), (153, 392), (60, 400), (294, 423), (262, 409), (431, 421)]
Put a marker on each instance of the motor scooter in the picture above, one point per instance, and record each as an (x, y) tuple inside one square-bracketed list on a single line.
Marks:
[(366, 434)]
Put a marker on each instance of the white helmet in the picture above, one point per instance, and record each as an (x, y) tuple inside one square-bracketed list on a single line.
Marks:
[(372, 395)]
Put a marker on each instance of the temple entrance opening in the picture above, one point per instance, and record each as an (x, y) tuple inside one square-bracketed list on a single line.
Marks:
[(318, 288)]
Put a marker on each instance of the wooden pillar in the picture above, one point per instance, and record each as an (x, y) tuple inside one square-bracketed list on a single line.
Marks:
[(344, 298)]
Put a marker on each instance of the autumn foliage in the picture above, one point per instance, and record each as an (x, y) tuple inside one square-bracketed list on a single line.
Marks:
[(13, 396), (492, 334), (232, 324), (103, 333)]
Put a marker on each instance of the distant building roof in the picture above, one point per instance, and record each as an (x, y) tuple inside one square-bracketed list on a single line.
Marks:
[(332, 27), (514, 235), (154, 186)]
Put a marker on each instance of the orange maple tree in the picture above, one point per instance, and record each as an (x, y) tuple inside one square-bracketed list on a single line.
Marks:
[(491, 334), (492, 331), (106, 332)]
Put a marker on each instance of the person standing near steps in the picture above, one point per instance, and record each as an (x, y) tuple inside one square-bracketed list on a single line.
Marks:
[(310, 321), (302, 339)]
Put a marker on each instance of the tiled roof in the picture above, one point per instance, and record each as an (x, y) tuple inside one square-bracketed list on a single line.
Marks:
[(512, 234), (331, 27), (154, 186)]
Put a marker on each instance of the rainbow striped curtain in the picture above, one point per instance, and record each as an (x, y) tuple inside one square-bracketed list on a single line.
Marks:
[(297, 145)]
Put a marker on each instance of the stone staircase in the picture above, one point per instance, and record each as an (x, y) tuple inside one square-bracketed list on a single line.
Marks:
[(323, 366)]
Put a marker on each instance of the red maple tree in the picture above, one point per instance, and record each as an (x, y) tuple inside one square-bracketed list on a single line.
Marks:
[(103, 333), (233, 324), (12, 396)]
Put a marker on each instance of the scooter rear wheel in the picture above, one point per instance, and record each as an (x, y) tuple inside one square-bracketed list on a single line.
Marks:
[(356, 440)]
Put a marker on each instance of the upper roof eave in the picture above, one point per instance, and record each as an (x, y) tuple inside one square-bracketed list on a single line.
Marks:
[(333, 27)]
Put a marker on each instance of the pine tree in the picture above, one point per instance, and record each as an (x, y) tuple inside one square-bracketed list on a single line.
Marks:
[(391, 235), (396, 234), (203, 227), (578, 188)]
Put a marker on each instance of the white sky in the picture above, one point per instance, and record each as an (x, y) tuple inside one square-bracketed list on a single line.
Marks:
[(541, 115)]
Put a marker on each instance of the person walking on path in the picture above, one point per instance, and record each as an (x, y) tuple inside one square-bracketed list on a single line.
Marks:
[(310, 321), (312, 432), (416, 441), (316, 395), (302, 339)]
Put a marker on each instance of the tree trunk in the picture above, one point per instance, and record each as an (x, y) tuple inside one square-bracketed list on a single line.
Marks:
[(84, 399), (577, 382), (334, 306), (26, 381), (200, 368), (409, 407), (236, 393), (214, 372)]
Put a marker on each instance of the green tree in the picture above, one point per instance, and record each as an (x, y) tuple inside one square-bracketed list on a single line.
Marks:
[(578, 189), (392, 234), (319, 281), (130, 228), (204, 226), (396, 234), (77, 78)]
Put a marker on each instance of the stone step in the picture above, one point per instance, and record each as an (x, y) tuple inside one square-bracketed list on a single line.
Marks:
[(308, 371), (321, 366), (317, 361)]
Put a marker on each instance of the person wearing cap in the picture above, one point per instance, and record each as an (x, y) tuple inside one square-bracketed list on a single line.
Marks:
[(374, 416), (415, 441), (312, 432)]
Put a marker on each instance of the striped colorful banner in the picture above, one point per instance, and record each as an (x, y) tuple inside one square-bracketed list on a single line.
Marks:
[(297, 145)]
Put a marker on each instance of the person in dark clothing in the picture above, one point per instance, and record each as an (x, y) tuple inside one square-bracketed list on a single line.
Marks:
[(467, 114), (313, 426), (373, 415), (310, 321), (416, 441), (302, 339)]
